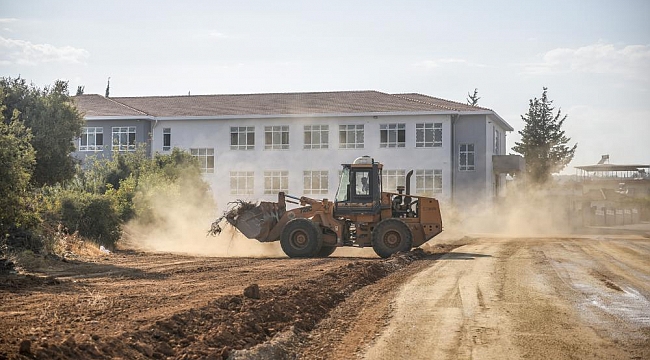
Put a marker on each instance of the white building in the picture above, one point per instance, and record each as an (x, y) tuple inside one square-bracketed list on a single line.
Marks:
[(252, 146)]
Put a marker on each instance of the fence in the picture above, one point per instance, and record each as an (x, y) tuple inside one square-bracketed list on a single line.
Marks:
[(612, 217)]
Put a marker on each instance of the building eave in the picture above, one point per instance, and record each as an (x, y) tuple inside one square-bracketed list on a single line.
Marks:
[(492, 114), (119, 117)]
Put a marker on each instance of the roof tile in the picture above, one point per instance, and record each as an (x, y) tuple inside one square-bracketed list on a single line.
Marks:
[(266, 104)]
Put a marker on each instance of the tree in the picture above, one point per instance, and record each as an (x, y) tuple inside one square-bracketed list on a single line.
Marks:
[(473, 99), (543, 142), (108, 87), (54, 122), (16, 165), (80, 90)]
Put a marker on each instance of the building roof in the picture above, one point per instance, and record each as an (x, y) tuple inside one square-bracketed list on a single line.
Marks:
[(97, 105), (338, 102), (612, 167), (441, 103)]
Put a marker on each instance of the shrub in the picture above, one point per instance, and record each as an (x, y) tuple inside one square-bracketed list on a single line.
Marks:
[(91, 215)]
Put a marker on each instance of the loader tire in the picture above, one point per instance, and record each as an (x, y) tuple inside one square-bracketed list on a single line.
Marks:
[(326, 251), (391, 236), (301, 238)]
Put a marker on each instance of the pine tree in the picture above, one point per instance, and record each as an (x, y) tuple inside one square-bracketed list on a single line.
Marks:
[(80, 90), (473, 99), (108, 87), (543, 142)]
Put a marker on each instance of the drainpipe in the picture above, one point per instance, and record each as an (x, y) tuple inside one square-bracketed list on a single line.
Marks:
[(151, 141)]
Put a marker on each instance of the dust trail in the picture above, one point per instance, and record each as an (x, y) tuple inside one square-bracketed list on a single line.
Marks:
[(522, 212), (179, 221)]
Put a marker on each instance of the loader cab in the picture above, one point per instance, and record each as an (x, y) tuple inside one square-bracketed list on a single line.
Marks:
[(359, 187)]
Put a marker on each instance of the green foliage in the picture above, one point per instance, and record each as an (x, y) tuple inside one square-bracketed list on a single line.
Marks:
[(138, 185), (53, 120), (122, 198), (91, 215), (169, 180), (473, 99), (80, 90), (543, 142), (16, 166)]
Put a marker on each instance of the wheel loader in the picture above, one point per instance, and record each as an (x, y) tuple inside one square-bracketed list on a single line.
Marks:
[(362, 215)]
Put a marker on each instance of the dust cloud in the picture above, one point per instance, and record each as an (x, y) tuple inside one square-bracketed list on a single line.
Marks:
[(181, 223), (178, 222), (522, 212)]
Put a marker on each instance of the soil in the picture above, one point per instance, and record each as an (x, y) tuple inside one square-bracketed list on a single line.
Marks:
[(488, 298)]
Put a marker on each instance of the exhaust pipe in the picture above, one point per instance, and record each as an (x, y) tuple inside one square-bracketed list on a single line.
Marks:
[(407, 199)]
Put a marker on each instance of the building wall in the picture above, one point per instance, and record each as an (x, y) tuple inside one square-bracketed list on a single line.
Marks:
[(215, 134), (471, 185), (142, 136), (495, 145)]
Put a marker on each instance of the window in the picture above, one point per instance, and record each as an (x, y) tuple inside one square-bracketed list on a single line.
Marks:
[(428, 182), (242, 137), (206, 158), (276, 181), (167, 139), (428, 135), (391, 179), (466, 158), (497, 141), (362, 183), (392, 135), (317, 136), (315, 182), (124, 138), (276, 137), (351, 136), (92, 139), (242, 182)]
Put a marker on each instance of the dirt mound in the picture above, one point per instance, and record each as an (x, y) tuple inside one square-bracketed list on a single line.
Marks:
[(231, 323)]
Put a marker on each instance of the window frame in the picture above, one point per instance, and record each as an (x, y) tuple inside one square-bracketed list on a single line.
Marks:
[(321, 177), (276, 137), (85, 134), (167, 139), (467, 156), (206, 159), (396, 176), (244, 183), (428, 182), (497, 141), (131, 136), (245, 133), (392, 135), (421, 130), (358, 134), (316, 132), (281, 177)]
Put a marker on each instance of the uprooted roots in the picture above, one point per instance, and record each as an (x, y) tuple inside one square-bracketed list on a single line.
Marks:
[(235, 208)]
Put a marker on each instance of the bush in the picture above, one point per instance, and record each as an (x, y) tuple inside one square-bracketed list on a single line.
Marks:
[(90, 215), (122, 197)]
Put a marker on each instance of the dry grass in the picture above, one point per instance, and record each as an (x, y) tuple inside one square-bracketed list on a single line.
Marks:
[(61, 243), (57, 243)]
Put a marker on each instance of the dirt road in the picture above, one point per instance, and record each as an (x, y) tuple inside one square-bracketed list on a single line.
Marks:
[(572, 298), (470, 298)]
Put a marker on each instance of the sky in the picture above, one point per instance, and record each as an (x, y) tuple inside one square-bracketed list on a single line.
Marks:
[(593, 56)]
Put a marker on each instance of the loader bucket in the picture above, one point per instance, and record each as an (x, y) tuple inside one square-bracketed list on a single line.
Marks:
[(256, 223)]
